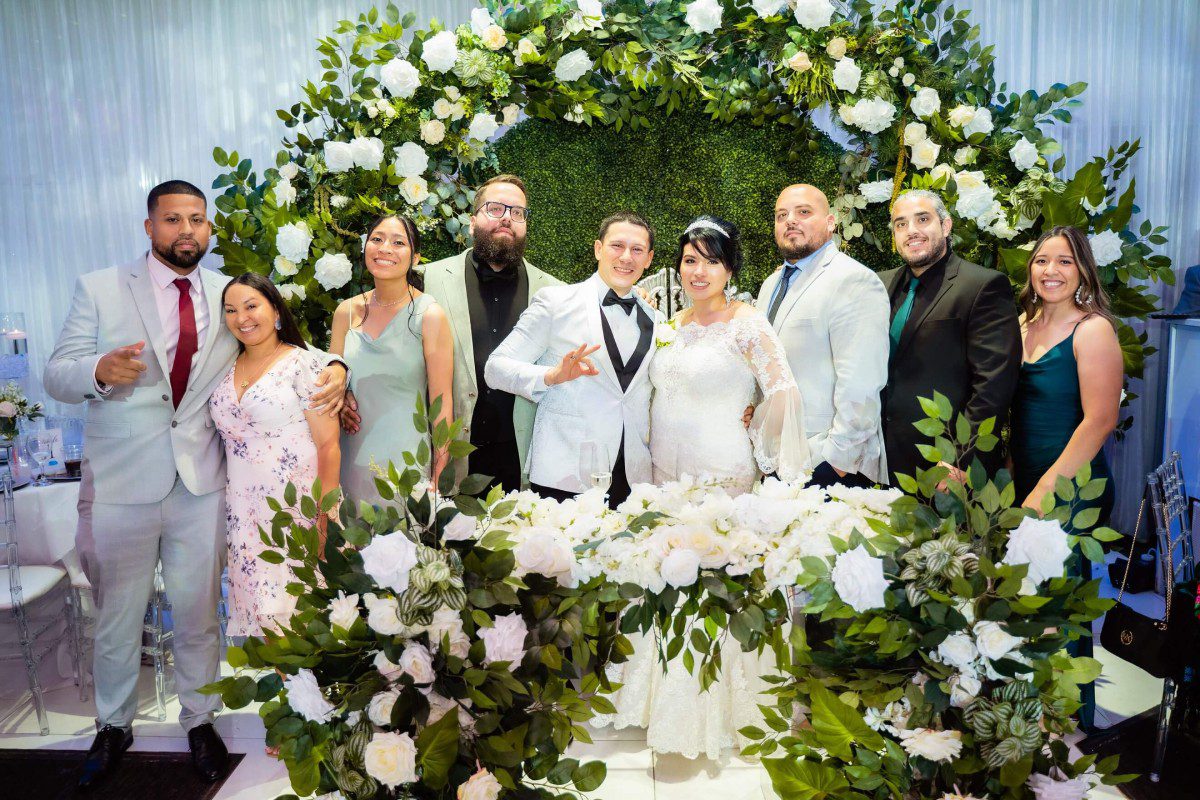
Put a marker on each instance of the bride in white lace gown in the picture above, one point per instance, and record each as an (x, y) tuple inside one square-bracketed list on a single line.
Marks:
[(725, 356)]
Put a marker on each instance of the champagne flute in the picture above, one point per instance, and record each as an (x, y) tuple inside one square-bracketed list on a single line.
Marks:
[(595, 467), (40, 446)]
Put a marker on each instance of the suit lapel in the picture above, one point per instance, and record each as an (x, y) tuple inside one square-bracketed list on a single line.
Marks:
[(595, 328), (141, 285), (214, 285), (811, 274), (645, 308), (452, 294), (947, 281)]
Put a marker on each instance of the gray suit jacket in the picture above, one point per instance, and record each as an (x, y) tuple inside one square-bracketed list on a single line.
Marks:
[(834, 326), (135, 441), (445, 281)]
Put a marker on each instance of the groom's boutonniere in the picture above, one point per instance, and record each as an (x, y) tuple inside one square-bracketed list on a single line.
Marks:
[(664, 333)]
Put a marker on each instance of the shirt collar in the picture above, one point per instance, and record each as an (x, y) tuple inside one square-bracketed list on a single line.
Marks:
[(802, 263), (164, 276)]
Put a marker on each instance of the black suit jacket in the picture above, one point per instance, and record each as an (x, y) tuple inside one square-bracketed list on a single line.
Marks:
[(967, 345)]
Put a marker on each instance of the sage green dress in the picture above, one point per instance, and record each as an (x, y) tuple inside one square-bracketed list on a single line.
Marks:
[(387, 376)]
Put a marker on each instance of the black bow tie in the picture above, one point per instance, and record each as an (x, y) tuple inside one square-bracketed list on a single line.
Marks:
[(628, 303)]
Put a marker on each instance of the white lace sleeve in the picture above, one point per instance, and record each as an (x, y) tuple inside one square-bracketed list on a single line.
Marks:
[(777, 428)]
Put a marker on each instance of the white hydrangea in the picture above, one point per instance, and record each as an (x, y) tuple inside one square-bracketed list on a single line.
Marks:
[(980, 123), (872, 115), (400, 78), (292, 241), (414, 190), (440, 51), (1024, 154), (339, 201), (338, 156), (814, 14), (925, 154), (1106, 247), (925, 102), (411, 160), (367, 151), (847, 75), (572, 66), (483, 127), (876, 191), (703, 16)]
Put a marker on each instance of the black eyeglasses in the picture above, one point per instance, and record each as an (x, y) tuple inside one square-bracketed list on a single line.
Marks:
[(496, 210)]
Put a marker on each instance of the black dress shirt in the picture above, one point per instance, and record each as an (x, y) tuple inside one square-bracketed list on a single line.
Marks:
[(495, 301), (929, 283)]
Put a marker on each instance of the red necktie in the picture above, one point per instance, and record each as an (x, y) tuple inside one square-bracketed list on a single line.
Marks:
[(186, 347)]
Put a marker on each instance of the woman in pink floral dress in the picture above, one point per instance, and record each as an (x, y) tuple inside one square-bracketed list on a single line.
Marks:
[(271, 439)]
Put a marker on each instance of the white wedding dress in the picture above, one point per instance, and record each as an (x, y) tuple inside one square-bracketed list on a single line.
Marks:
[(703, 382)]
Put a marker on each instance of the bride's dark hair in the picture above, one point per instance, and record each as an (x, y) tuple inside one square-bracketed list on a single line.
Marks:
[(714, 238)]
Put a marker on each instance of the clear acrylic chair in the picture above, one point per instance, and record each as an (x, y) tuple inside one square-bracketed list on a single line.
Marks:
[(156, 641)]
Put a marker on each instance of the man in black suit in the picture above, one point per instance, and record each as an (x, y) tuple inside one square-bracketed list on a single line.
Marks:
[(953, 330)]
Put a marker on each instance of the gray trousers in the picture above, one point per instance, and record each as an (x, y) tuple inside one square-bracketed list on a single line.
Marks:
[(120, 545)]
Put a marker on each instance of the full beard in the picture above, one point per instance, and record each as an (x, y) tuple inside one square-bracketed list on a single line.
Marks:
[(794, 253), (497, 252), (930, 258), (177, 259)]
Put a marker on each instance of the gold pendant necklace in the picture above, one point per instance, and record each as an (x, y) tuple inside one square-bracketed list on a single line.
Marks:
[(245, 383)]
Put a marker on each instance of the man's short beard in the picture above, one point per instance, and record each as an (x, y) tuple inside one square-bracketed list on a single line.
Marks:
[(179, 260), (933, 257), (795, 253), (490, 249)]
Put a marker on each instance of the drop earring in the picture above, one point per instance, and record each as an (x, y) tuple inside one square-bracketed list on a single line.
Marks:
[(278, 324)]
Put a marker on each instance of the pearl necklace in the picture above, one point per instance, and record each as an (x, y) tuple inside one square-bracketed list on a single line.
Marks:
[(375, 301)]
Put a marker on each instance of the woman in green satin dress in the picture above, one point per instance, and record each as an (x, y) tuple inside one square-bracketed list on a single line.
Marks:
[(397, 342), (1069, 393)]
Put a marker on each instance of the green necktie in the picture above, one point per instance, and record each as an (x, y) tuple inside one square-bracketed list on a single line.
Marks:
[(902, 315)]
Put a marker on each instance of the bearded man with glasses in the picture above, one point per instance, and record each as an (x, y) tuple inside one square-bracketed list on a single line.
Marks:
[(483, 291)]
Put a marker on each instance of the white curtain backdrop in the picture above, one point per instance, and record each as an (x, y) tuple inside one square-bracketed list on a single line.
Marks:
[(102, 99)]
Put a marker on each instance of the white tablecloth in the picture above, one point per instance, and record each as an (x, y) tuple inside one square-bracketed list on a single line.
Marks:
[(46, 522)]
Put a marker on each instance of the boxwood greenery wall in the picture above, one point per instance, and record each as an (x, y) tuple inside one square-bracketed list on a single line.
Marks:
[(682, 165)]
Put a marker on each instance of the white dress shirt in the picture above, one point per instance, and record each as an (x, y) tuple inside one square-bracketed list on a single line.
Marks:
[(623, 325)]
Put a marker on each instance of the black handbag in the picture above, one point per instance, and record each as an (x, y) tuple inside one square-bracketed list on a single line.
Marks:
[(1159, 646)]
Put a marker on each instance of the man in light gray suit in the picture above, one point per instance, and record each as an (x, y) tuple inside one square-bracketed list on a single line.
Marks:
[(831, 313), (144, 345), (484, 290)]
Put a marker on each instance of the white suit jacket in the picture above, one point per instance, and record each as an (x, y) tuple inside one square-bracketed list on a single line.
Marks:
[(834, 326), (589, 408), (135, 441)]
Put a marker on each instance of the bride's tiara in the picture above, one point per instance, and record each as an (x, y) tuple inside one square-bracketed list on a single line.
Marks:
[(705, 224)]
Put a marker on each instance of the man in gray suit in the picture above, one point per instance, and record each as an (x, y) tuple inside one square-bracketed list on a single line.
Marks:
[(484, 290), (831, 313), (144, 345)]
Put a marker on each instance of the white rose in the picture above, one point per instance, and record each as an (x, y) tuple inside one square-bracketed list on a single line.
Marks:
[(388, 559), (285, 193), (993, 641), (965, 181), (942, 172), (680, 567), (876, 191), (572, 66), (442, 108), (417, 663), (458, 110), (965, 156), (704, 16), (1024, 154), (305, 697), (836, 49), (391, 758), (980, 123), (767, 8), (958, 650), (1106, 248), (494, 38), (343, 610), (932, 745), (481, 20), (452, 92), (446, 624), (964, 688), (847, 75), (333, 270), (925, 154), (480, 786), (894, 72), (414, 190), (367, 151), (285, 268), (383, 616), (400, 78), (915, 132), (1055, 786), (289, 171), (909, 79), (433, 131), (526, 50), (510, 113), (590, 9), (411, 160), (483, 126), (1091, 209), (292, 241), (460, 529), (505, 640), (926, 102), (873, 115), (546, 554), (338, 156), (814, 14), (858, 579), (440, 51), (379, 710), (961, 115), (291, 291), (1040, 543), (800, 62), (386, 668)]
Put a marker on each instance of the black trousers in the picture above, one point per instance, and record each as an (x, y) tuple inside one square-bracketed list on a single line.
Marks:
[(498, 460), (825, 475), (618, 490)]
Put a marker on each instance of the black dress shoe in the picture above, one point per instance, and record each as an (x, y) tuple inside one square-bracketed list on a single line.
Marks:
[(104, 756), (209, 755)]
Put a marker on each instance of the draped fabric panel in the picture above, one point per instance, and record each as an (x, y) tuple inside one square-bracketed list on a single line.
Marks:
[(102, 99)]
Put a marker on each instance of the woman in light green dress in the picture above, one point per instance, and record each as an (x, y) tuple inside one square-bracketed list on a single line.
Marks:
[(398, 344)]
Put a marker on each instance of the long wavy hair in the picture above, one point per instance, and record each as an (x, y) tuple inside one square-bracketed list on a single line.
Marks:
[(1092, 298), (289, 331)]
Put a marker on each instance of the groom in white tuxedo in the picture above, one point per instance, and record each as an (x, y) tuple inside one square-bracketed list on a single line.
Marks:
[(582, 353)]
